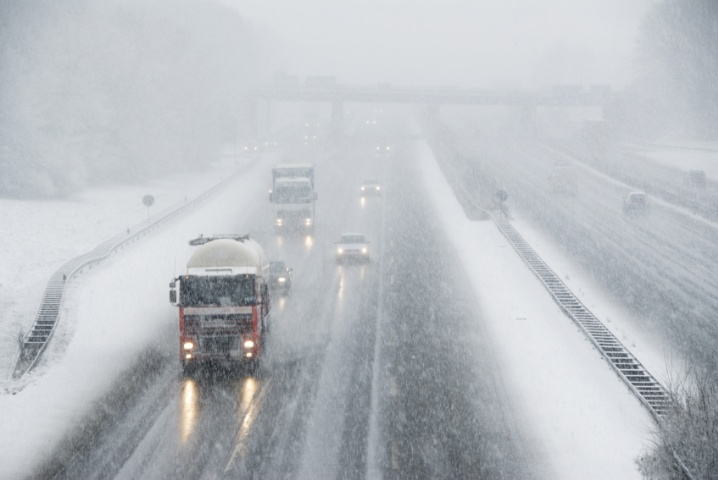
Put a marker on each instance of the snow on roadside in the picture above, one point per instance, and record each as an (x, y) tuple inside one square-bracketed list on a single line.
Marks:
[(112, 313), (575, 411), (41, 235), (683, 156), (649, 347)]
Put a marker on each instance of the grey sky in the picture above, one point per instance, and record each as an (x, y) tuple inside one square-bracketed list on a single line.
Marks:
[(454, 42)]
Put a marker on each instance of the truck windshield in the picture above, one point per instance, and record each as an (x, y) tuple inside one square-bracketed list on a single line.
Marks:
[(220, 291), (293, 194)]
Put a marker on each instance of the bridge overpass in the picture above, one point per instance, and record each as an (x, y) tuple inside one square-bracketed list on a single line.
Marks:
[(338, 95)]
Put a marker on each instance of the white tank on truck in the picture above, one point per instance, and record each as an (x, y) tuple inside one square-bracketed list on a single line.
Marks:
[(223, 301)]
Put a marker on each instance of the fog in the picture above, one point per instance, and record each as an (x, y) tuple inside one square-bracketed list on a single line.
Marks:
[(455, 42), (99, 91), (113, 91), (424, 361)]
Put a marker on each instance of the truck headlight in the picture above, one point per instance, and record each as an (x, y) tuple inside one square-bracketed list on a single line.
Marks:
[(364, 250), (281, 279), (279, 222), (308, 221), (248, 344), (188, 345), (340, 250)]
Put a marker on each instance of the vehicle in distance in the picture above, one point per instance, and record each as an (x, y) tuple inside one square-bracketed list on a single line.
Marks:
[(280, 277), (696, 178), (370, 188), (352, 247), (382, 150), (636, 203), (293, 196)]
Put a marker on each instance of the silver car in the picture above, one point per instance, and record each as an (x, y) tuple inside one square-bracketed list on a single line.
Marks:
[(352, 247)]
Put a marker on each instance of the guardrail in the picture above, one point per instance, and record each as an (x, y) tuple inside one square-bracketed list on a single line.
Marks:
[(36, 340), (641, 383)]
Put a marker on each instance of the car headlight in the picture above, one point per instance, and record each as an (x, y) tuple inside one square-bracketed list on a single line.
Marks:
[(248, 344), (378, 188), (281, 279), (279, 222), (364, 250), (340, 250), (308, 221), (362, 189), (188, 345)]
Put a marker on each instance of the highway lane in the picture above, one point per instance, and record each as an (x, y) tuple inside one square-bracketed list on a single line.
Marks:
[(443, 412), (371, 370), (661, 265)]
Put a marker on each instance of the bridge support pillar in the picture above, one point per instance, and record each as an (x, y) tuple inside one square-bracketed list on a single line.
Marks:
[(337, 125), (247, 118), (432, 115)]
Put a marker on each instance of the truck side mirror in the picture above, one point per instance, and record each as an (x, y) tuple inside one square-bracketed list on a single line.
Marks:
[(173, 297), (173, 284)]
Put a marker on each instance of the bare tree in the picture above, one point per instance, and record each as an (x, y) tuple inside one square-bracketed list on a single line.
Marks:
[(686, 439)]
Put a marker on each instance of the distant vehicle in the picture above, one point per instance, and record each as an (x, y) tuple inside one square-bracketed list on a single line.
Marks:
[(352, 247), (382, 150), (636, 202), (251, 147), (280, 277), (223, 300), (370, 188), (563, 179), (293, 196), (696, 178)]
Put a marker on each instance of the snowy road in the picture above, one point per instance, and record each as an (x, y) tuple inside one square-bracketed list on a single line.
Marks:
[(408, 366), (438, 412), (661, 265)]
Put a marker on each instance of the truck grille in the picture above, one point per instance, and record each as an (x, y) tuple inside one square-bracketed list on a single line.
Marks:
[(239, 323), (218, 344)]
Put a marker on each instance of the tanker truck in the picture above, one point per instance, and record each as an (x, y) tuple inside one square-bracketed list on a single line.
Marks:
[(223, 300)]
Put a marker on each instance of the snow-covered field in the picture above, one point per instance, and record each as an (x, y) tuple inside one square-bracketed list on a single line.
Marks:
[(585, 421), (684, 156), (110, 313)]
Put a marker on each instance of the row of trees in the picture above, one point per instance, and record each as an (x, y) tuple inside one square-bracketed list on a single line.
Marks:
[(676, 92), (96, 91)]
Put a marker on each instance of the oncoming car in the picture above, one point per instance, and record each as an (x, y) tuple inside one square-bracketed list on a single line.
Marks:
[(280, 277), (382, 150), (352, 247), (370, 188)]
